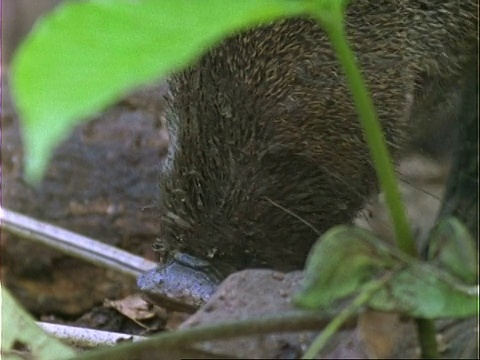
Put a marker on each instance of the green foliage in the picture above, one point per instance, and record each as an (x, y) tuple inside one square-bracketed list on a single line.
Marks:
[(347, 259), (423, 291), (17, 327), (339, 264), (85, 55), (451, 247)]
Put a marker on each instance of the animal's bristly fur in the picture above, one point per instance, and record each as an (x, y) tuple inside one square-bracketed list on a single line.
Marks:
[(267, 118)]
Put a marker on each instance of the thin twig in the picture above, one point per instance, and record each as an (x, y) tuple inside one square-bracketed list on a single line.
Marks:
[(86, 338), (74, 244)]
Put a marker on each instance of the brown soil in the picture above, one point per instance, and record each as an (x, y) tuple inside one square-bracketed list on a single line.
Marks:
[(102, 182)]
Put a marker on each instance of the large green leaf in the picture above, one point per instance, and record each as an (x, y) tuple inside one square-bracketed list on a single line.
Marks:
[(85, 55)]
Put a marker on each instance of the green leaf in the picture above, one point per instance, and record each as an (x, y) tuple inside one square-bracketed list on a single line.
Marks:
[(347, 260), (452, 247), (423, 291), (17, 327), (340, 263), (85, 55)]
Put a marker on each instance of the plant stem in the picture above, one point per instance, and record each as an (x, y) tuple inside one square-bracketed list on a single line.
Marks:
[(381, 159), (427, 338), (366, 293), (374, 137), (182, 339)]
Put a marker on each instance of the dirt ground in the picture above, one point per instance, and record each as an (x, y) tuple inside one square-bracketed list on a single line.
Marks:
[(102, 182)]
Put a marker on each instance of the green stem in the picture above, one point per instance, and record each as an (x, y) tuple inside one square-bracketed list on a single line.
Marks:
[(427, 338), (182, 339), (374, 137), (381, 159), (366, 293)]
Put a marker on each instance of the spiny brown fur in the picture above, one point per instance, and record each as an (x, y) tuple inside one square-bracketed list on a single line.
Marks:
[(266, 143)]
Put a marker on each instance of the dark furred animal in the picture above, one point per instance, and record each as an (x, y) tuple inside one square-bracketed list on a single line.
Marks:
[(266, 148)]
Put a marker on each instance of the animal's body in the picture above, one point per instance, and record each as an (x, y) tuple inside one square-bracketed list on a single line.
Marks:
[(266, 147)]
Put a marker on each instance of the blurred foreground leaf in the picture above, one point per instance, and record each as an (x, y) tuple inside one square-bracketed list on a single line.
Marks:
[(423, 291), (85, 55), (339, 264), (18, 330), (346, 260), (452, 247)]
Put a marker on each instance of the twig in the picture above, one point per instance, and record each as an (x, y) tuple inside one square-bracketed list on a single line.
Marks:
[(287, 322), (74, 244), (86, 338)]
